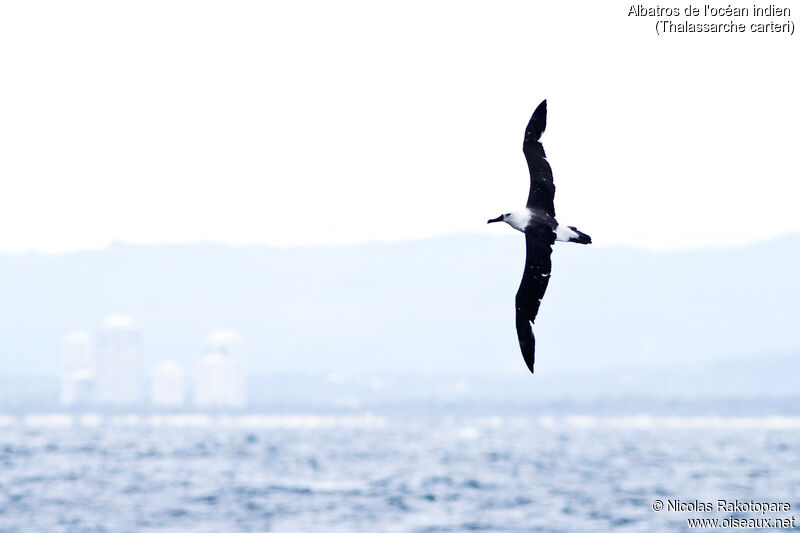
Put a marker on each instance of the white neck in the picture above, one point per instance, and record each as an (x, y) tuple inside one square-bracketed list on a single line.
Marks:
[(518, 219)]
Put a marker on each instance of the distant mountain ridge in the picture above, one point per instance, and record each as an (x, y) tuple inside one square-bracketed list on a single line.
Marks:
[(437, 306)]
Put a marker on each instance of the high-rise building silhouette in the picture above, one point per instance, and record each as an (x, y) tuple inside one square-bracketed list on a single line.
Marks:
[(77, 369), (168, 385), (118, 364), (219, 375)]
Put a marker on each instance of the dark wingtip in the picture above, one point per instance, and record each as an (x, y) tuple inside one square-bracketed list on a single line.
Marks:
[(527, 342), (537, 123)]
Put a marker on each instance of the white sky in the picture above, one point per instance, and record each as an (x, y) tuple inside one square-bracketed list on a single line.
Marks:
[(303, 122)]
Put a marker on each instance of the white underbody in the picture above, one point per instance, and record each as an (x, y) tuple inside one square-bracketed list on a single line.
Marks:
[(519, 221)]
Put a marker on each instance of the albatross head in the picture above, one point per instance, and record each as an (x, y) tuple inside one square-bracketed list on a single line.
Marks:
[(518, 219)]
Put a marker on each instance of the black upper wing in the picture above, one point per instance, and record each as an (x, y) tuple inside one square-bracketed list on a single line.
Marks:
[(539, 245), (542, 188)]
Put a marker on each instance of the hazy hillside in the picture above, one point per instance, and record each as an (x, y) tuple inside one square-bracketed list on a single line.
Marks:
[(613, 317)]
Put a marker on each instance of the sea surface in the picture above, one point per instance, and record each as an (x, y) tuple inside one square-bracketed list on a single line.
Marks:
[(372, 473)]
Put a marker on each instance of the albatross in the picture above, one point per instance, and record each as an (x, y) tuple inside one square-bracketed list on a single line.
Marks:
[(538, 222)]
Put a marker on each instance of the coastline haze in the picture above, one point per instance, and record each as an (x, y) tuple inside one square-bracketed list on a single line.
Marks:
[(614, 319)]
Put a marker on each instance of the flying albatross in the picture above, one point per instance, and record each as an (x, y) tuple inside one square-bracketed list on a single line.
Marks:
[(538, 222)]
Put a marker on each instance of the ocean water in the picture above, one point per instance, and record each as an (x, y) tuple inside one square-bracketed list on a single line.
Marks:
[(369, 473)]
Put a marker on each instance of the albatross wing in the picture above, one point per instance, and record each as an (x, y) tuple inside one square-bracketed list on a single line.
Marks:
[(542, 188), (538, 247)]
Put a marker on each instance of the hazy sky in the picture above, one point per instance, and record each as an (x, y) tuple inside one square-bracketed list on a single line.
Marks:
[(334, 122)]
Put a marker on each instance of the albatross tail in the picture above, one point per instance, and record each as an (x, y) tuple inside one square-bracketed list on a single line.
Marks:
[(571, 234), (582, 238)]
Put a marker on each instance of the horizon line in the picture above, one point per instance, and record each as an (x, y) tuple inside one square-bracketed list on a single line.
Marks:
[(372, 242)]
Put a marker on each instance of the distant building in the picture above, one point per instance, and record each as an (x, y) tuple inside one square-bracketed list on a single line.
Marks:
[(219, 375), (77, 369), (168, 385), (118, 364), (211, 384)]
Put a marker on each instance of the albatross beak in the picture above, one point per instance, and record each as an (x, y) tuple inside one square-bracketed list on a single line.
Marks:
[(498, 219)]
